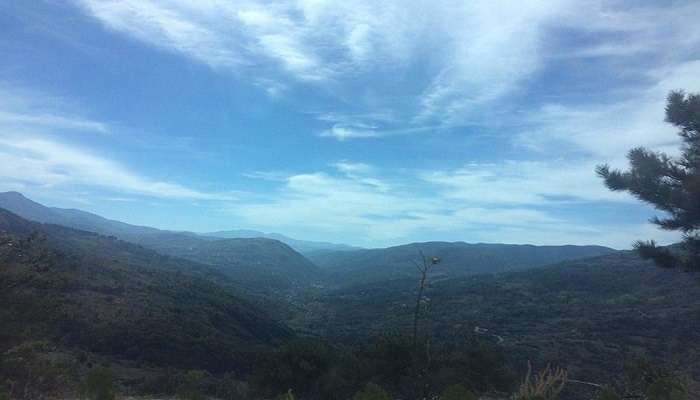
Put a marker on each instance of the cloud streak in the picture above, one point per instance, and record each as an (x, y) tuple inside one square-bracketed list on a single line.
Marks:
[(472, 55), (43, 162), (32, 153), (479, 200)]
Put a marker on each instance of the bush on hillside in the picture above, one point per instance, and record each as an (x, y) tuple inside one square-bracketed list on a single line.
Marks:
[(190, 386), (545, 385), (457, 392), (99, 385), (372, 391)]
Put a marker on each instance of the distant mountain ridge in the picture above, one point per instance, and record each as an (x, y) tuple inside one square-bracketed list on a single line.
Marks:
[(263, 262), (302, 246), (26, 208), (115, 298), (269, 263), (260, 261), (456, 259), (29, 209)]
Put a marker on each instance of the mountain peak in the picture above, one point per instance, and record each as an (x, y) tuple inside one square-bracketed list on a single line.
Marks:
[(12, 193), (15, 196)]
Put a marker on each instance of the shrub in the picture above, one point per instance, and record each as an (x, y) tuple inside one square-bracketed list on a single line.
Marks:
[(99, 385), (296, 365), (457, 392), (546, 385), (372, 392), (189, 388), (654, 382), (286, 396), (667, 388), (608, 393), (229, 387)]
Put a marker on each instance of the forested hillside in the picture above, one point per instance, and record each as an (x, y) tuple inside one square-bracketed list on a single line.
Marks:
[(455, 259), (266, 264), (302, 246), (258, 262), (188, 309), (78, 291), (590, 316)]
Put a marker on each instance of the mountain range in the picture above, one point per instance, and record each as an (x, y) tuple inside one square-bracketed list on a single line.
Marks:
[(268, 263), (257, 261), (20, 205), (151, 303), (592, 316), (79, 289), (455, 259), (302, 246)]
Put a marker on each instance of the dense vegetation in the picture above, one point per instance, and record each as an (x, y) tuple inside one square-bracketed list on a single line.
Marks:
[(302, 246), (266, 265), (76, 301), (78, 290), (263, 263), (456, 259), (590, 316), (91, 314)]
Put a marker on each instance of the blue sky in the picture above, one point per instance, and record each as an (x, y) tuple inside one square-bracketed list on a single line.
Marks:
[(370, 123)]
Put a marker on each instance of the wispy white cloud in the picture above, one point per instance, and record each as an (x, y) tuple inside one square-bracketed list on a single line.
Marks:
[(400, 68), (608, 131), (524, 183), (613, 235), (492, 47), (349, 167), (276, 35), (47, 163), (22, 109), (34, 154), (480, 201), (10, 119), (171, 25), (472, 55), (343, 132), (279, 176)]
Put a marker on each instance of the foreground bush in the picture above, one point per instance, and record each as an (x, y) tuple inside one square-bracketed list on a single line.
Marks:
[(189, 388), (98, 385), (457, 392), (372, 392), (646, 380), (546, 385)]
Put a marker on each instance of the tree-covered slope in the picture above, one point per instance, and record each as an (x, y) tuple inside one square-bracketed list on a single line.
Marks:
[(18, 204), (589, 315), (456, 259), (302, 246), (99, 294), (264, 263), (250, 260)]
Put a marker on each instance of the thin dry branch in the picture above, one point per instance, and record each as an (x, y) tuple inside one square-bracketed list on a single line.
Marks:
[(545, 385)]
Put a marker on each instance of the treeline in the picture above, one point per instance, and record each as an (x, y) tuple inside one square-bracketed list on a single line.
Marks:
[(386, 367)]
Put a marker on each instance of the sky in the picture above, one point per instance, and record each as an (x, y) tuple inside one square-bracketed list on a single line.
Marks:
[(363, 122)]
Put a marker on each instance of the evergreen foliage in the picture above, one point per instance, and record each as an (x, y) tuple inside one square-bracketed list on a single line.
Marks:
[(670, 184), (644, 379), (372, 392), (457, 392), (99, 385), (287, 396), (608, 393), (189, 388)]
